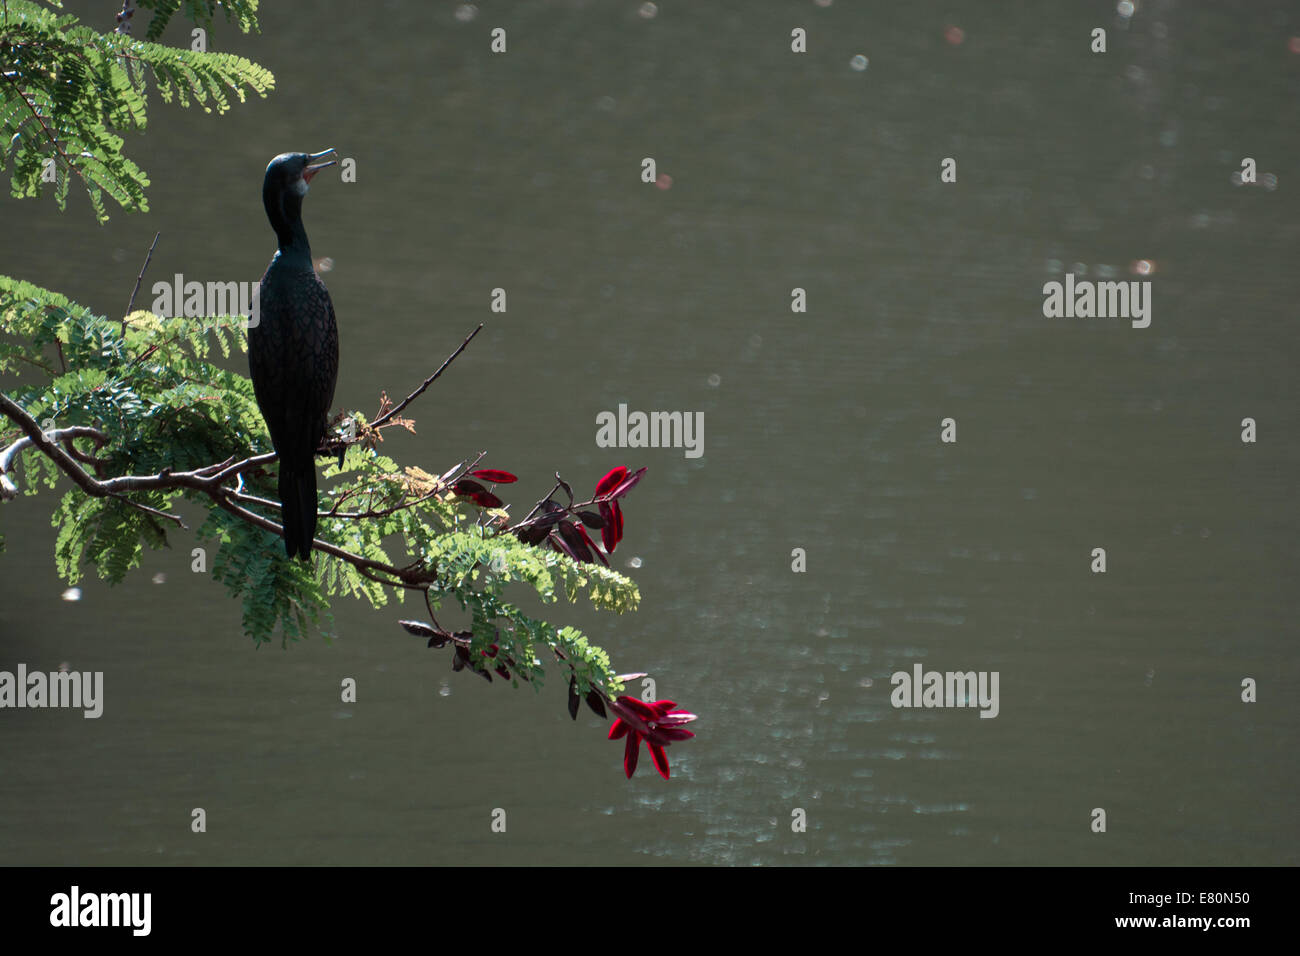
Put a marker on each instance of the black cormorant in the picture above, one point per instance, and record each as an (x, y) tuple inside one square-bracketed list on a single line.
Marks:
[(293, 349)]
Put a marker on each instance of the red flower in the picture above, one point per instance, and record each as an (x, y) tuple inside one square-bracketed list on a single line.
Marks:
[(658, 723)]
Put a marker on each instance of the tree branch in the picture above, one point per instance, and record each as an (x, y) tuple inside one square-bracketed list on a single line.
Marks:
[(197, 480), (8, 490), (210, 479)]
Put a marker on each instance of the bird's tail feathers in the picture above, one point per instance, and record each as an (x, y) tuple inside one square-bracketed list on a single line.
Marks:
[(298, 507)]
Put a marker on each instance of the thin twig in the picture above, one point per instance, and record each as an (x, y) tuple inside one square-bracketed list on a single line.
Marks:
[(427, 382), (147, 510), (138, 279), (540, 501), (429, 604)]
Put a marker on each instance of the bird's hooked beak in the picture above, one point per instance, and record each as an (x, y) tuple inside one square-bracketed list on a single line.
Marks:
[(314, 167)]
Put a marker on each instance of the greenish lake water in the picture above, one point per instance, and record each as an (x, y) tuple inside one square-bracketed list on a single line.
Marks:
[(521, 171)]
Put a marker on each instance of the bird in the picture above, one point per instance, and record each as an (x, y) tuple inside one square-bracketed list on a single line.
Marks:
[(293, 347)]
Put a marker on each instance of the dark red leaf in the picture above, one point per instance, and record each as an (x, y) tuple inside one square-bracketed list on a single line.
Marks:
[(618, 522), (631, 752), (627, 484), (501, 669), (639, 707), (494, 475), (596, 702), (565, 485), (609, 531), (574, 701), (550, 518), (577, 539), (418, 628), (467, 488), (533, 534), (591, 519), (619, 728), (591, 545), (660, 758), (551, 513), (562, 546), (674, 733), (611, 480), (485, 499)]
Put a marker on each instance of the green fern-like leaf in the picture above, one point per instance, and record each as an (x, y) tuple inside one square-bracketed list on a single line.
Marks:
[(67, 91)]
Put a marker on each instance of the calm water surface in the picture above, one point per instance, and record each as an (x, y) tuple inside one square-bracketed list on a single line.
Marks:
[(521, 171)]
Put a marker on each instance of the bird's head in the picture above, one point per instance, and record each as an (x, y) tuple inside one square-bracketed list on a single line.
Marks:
[(286, 182)]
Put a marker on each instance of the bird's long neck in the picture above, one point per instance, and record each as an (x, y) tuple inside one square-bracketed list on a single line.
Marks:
[(285, 213), (295, 252)]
